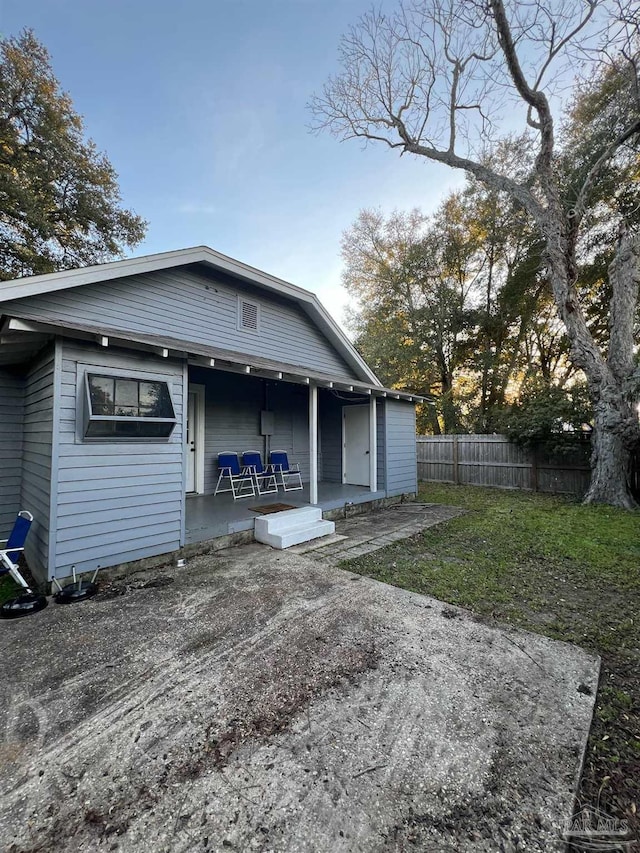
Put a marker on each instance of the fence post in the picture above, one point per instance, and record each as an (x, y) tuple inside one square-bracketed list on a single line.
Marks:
[(534, 469), (456, 470)]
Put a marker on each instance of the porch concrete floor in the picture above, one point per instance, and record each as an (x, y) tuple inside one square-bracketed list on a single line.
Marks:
[(209, 516), (266, 700)]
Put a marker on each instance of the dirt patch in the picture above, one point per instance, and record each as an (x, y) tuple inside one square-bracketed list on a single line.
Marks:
[(116, 588), (280, 699), (266, 702), (282, 690)]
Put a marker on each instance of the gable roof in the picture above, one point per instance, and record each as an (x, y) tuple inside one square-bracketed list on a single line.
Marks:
[(23, 288)]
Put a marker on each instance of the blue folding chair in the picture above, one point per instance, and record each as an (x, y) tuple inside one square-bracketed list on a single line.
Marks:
[(240, 479), (290, 476), (28, 601), (264, 478)]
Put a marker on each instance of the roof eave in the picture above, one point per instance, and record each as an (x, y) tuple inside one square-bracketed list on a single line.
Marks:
[(66, 279), (206, 356)]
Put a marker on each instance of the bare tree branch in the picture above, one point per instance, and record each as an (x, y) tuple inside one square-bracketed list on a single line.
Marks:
[(577, 213), (433, 80)]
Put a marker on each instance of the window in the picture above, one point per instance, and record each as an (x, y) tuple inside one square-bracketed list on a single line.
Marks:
[(248, 315), (121, 407)]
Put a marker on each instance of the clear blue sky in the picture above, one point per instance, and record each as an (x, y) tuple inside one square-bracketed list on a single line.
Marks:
[(200, 107)]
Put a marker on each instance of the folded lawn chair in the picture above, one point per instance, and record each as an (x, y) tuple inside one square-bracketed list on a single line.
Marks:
[(28, 601), (240, 479), (289, 475), (264, 478)]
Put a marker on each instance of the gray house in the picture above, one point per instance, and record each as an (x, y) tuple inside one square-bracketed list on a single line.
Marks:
[(206, 355)]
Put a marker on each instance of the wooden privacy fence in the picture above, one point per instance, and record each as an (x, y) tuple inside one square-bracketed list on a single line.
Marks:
[(492, 460)]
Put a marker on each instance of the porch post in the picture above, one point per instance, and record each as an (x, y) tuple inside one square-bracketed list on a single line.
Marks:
[(373, 445), (313, 443)]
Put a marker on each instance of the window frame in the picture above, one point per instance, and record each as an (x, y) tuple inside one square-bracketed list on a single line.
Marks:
[(132, 376)]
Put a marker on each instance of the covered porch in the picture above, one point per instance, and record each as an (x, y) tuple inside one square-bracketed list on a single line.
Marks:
[(344, 438), (331, 434), (210, 516)]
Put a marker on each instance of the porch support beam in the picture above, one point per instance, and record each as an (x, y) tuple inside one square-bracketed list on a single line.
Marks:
[(313, 444), (373, 446)]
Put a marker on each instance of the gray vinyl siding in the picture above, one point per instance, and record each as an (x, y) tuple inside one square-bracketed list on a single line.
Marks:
[(37, 442), (232, 419), (401, 462), (291, 406), (188, 305), (116, 500), (330, 417), (11, 425)]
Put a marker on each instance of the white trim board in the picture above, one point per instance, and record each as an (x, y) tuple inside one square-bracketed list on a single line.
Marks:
[(200, 394)]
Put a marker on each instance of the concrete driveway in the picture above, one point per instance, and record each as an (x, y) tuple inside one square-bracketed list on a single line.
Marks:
[(261, 700)]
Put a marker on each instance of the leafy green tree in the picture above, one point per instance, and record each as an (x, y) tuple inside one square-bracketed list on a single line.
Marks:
[(60, 204), (548, 417), (506, 294), (453, 305), (603, 105), (412, 283)]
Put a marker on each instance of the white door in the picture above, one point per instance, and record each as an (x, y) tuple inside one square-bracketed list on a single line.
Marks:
[(195, 439), (355, 448)]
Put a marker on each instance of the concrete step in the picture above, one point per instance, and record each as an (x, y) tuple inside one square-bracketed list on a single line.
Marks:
[(291, 527), (296, 535), (273, 522)]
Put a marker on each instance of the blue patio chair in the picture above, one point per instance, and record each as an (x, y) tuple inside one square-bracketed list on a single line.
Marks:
[(240, 479), (10, 551), (264, 478), (289, 475)]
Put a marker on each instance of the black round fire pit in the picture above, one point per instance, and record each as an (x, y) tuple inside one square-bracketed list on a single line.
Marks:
[(73, 592), (23, 605)]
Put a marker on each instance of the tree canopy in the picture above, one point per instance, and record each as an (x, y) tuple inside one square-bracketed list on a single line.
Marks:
[(455, 306), (436, 78), (60, 204)]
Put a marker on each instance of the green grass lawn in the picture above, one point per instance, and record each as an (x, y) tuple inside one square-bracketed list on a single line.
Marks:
[(8, 588), (547, 564)]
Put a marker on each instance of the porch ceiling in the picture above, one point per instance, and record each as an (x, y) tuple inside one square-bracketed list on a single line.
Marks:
[(16, 348), (17, 327)]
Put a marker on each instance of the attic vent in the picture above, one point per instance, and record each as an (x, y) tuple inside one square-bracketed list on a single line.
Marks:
[(248, 315)]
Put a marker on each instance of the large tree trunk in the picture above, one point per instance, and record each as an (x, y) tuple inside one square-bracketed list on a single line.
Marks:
[(615, 435), (616, 426), (616, 430)]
